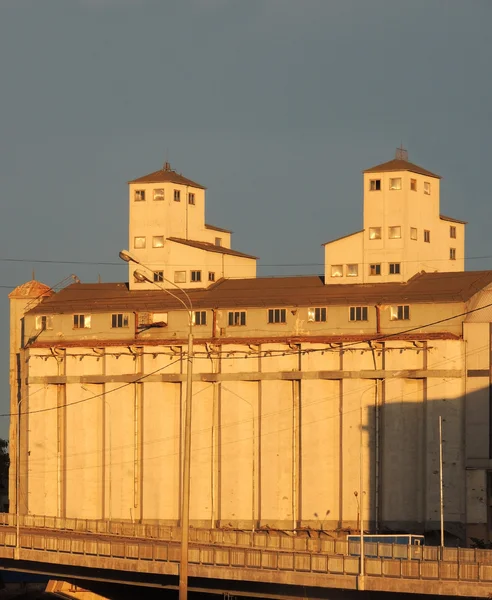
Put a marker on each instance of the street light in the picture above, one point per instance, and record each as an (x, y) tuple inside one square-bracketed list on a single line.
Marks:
[(185, 501), (17, 482)]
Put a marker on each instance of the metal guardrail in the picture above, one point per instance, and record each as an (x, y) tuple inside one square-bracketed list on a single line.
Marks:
[(253, 539), (244, 558)]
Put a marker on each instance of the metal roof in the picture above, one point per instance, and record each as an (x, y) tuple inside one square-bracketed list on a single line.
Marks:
[(269, 292)]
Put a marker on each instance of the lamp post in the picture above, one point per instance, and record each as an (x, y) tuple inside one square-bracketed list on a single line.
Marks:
[(185, 500), (17, 480)]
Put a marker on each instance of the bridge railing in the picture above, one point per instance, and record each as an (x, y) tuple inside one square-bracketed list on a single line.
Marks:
[(260, 539), (235, 557)]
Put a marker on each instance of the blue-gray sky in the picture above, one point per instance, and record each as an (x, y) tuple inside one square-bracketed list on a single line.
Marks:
[(275, 105)]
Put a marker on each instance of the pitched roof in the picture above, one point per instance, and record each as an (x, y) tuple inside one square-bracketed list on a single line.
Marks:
[(269, 292), (208, 226), (343, 237), (31, 289), (167, 175), (398, 164), (451, 220), (210, 247)]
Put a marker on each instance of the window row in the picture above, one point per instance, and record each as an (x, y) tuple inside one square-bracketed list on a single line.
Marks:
[(395, 183), (353, 270), (394, 233), (180, 276), (158, 194), (235, 318), (140, 241)]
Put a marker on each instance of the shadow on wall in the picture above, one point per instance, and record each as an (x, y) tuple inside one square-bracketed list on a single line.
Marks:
[(401, 444)]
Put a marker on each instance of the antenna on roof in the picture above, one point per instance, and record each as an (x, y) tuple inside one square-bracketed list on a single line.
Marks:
[(33, 274), (401, 153)]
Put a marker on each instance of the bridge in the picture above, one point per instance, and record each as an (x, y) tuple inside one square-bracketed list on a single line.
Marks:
[(240, 563)]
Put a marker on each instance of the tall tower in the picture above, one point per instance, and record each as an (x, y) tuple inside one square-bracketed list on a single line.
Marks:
[(403, 230), (168, 234)]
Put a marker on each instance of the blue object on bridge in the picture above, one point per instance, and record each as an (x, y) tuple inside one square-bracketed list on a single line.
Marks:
[(405, 539)]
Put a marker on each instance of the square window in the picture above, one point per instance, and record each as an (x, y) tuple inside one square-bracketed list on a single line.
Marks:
[(179, 276), (119, 320), (159, 194), (177, 196), (200, 317), (413, 185), (352, 270), (158, 241), (211, 276), (400, 313), (139, 242), (337, 270), (452, 231), (81, 321), (413, 233), (375, 185), (427, 236), (139, 195), (394, 233), (374, 233), (358, 313), (218, 241), (277, 315), (158, 276), (237, 318), (44, 322), (317, 315), (452, 253), (191, 198), (195, 276), (394, 268), (375, 269), (395, 183), (427, 188)]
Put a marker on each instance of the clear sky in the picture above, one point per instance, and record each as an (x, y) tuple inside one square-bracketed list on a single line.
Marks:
[(275, 105)]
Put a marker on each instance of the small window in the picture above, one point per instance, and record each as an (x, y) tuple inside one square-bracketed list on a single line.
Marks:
[(177, 196), (375, 269), (452, 253), (195, 276), (427, 236), (317, 315), (191, 198), (179, 276), (358, 313), (237, 318), (211, 276), (374, 233), (452, 232), (395, 183), (44, 322), (427, 188), (413, 233), (337, 270), (400, 313), (200, 317), (82, 321), (158, 276), (375, 185), (394, 268), (139, 242), (159, 194), (277, 315), (413, 185), (218, 241), (394, 233), (352, 270), (158, 241), (119, 320), (139, 195)]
